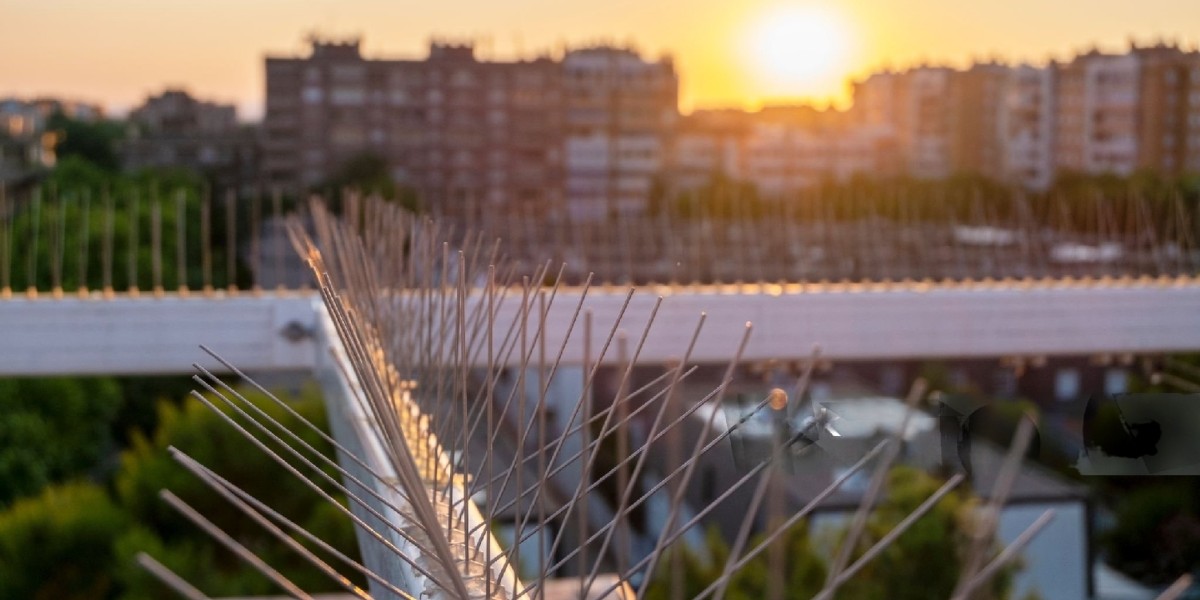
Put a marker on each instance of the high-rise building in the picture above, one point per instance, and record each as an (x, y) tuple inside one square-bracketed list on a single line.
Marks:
[(1096, 119), (878, 100), (1169, 98), (620, 113), (924, 135), (1027, 129), (462, 133), (915, 105), (976, 113)]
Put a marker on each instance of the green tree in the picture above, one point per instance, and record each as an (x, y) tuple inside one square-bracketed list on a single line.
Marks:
[(53, 429), (933, 546), (78, 540), (147, 468), (699, 569), (58, 546), (84, 222), (1157, 531), (95, 142)]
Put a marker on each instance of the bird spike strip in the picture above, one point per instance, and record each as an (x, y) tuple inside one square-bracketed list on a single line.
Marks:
[(464, 447)]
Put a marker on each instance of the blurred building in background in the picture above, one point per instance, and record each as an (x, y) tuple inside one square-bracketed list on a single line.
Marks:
[(1097, 117), (598, 131), (977, 114), (175, 130), (1169, 95), (27, 142), (463, 133), (1027, 127), (620, 113)]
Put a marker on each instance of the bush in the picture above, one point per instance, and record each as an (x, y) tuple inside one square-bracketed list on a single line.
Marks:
[(53, 430), (59, 545)]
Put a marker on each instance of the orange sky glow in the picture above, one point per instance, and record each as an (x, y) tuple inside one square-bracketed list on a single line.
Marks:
[(728, 53)]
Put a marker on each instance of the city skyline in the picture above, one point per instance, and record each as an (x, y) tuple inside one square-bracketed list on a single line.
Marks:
[(724, 54)]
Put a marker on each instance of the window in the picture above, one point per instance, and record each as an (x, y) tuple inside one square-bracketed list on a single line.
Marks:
[(349, 73), (347, 96), (1116, 381), (1066, 385)]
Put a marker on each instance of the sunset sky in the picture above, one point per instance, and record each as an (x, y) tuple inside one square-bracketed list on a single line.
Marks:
[(728, 52)]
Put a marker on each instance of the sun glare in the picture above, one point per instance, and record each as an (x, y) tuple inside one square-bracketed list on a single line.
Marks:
[(798, 51)]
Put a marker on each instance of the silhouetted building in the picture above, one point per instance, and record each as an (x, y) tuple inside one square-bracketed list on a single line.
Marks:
[(1169, 97), (780, 149), (620, 113), (1096, 120), (977, 116), (176, 130), (707, 144), (1027, 136), (463, 134), (916, 106)]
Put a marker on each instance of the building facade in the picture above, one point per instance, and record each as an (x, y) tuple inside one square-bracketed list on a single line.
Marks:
[(1169, 93), (707, 144), (620, 113), (176, 130), (598, 133), (1096, 120), (779, 149), (1027, 127), (586, 134), (977, 119)]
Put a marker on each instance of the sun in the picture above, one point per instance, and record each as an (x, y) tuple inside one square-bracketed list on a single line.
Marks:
[(798, 51)]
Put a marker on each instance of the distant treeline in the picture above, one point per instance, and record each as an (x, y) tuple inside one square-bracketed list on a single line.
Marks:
[(84, 225), (1099, 204)]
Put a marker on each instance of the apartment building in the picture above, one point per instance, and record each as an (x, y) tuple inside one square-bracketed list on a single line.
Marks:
[(587, 133), (915, 105), (878, 100), (620, 113), (174, 129), (1169, 93), (1096, 119), (462, 133), (779, 149), (707, 144), (924, 130), (1027, 127), (779, 158), (1098, 113), (976, 119)]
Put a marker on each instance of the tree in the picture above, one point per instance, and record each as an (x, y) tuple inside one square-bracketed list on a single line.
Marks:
[(58, 545), (147, 468), (933, 546), (77, 540), (84, 222), (95, 142), (52, 430), (805, 569), (1157, 532)]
